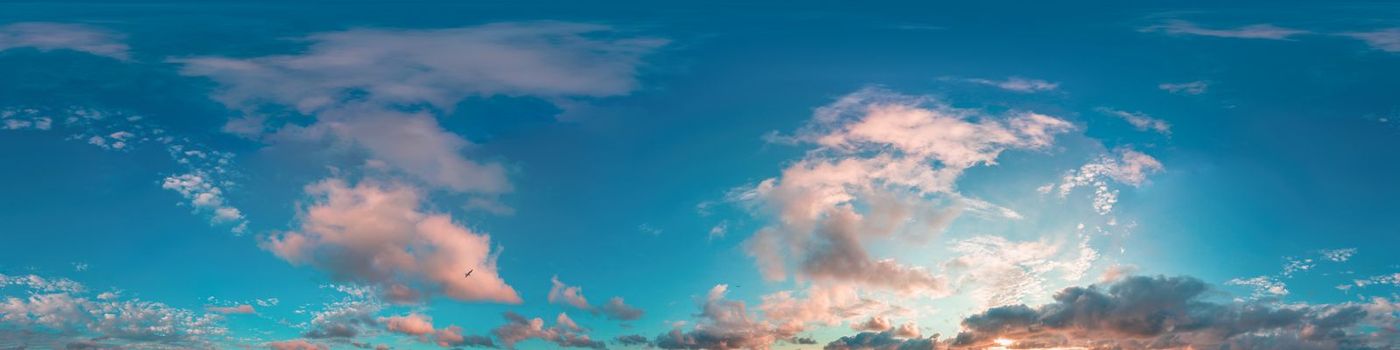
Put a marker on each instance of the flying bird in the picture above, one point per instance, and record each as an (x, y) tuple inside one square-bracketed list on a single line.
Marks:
[(469, 273)]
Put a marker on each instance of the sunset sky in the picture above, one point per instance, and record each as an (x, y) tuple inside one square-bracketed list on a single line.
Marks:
[(700, 175)]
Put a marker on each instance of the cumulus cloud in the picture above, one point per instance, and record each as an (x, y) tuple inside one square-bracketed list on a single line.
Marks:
[(421, 326), (1255, 31), (1140, 120), (296, 344), (45, 36), (377, 233), (1337, 255), (1130, 167), (565, 332), (62, 312), (411, 324), (382, 90), (452, 337), (205, 173), (1018, 84), (726, 324), (617, 309), (632, 340), (560, 293), (826, 305), (1387, 40), (781, 317), (886, 165), (882, 341), (1163, 312), (1188, 88), (1263, 286)]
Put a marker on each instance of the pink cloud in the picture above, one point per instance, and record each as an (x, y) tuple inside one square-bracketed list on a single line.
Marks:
[(376, 233)]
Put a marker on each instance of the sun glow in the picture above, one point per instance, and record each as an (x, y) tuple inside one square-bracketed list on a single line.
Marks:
[(1004, 341)]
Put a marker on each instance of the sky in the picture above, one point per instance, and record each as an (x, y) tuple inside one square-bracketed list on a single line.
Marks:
[(700, 175)]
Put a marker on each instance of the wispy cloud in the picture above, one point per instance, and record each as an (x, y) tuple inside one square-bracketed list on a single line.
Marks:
[(1017, 84), (63, 36), (1188, 88), (1255, 31), (1139, 120), (383, 89), (1387, 40)]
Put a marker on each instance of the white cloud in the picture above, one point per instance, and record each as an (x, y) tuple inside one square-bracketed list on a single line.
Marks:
[(1129, 167), (377, 233), (1264, 286), (1018, 84), (999, 272), (1255, 31), (1189, 88), (63, 36), (382, 89), (1140, 120), (1387, 40), (1338, 255), (206, 172), (60, 308), (886, 164)]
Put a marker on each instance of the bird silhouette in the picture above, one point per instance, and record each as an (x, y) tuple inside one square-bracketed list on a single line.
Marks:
[(469, 273)]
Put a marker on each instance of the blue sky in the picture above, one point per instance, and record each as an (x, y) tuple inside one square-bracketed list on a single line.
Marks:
[(699, 176)]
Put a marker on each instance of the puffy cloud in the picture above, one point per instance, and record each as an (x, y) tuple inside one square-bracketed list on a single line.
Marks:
[(63, 36), (632, 340), (1160, 312), (1139, 120), (376, 233), (882, 341), (1189, 88), (728, 324), (296, 344), (1256, 31), (411, 324), (1387, 40), (345, 318), (451, 337), (564, 333), (59, 309), (237, 309), (874, 324), (381, 89), (618, 310), (421, 326), (1264, 286), (791, 313), (203, 194), (1337, 255), (560, 293), (1018, 84), (206, 173), (1129, 167), (1389, 279), (884, 164), (615, 308)]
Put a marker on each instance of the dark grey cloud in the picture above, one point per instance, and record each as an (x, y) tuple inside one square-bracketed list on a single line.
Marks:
[(1154, 312), (881, 341)]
